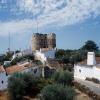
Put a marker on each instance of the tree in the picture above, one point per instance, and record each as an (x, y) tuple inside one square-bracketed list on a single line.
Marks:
[(60, 53), (63, 77), (90, 46), (57, 92), (16, 87), (66, 60), (21, 84)]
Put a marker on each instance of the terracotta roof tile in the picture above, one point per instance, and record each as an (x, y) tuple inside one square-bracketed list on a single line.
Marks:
[(2, 69), (17, 68)]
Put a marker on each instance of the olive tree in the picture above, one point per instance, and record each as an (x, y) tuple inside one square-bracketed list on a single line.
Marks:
[(57, 92)]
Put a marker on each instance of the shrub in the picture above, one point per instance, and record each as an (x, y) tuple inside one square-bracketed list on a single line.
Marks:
[(63, 77), (16, 87), (22, 84), (57, 92)]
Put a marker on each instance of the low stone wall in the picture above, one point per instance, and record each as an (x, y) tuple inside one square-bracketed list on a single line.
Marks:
[(87, 91), (93, 80)]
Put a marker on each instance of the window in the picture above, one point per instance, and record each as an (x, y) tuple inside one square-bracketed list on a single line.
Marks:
[(2, 81), (80, 70), (35, 70), (6, 74)]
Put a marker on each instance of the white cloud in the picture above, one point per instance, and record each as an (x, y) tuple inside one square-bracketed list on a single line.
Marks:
[(14, 27), (54, 12)]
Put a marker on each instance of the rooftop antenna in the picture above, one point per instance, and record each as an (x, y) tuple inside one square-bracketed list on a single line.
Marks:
[(37, 24), (9, 42)]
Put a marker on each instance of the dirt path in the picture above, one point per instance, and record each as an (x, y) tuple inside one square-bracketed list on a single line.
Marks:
[(81, 96)]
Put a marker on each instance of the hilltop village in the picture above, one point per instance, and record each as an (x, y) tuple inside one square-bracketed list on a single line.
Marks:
[(44, 60), (42, 53)]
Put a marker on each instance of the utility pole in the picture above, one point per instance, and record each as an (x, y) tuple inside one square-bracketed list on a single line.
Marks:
[(37, 24), (9, 42)]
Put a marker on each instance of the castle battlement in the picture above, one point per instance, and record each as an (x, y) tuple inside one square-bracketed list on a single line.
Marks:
[(40, 41)]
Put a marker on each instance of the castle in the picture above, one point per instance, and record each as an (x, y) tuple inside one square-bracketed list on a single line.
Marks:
[(43, 41)]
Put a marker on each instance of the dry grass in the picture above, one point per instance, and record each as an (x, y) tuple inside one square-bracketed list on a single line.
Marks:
[(4, 95), (81, 96)]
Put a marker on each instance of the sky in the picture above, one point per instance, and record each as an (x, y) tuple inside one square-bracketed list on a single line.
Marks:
[(73, 21)]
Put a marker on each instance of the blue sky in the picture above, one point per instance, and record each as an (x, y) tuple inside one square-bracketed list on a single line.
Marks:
[(74, 22)]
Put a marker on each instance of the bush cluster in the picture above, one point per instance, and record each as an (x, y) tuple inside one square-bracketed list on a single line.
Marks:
[(57, 92), (20, 85), (63, 77), (59, 87)]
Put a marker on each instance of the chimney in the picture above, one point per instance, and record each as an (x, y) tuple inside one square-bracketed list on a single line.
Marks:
[(91, 58)]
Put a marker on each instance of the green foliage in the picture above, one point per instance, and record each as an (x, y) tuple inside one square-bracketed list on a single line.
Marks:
[(17, 51), (20, 85), (66, 60), (90, 46), (74, 56), (23, 58), (71, 56), (16, 87), (63, 77), (60, 53), (28, 57), (8, 56), (5, 57), (38, 62), (57, 92)]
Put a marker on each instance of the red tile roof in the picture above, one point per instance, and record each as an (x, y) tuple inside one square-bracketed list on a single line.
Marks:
[(17, 68), (2, 69)]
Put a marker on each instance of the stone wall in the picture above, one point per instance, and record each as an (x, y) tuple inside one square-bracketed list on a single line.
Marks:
[(40, 41)]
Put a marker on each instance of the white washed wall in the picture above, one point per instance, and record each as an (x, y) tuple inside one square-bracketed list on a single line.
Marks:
[(50, 54), (40, 56), (44, 55), (83, 72), (3, 78), (97, 73)]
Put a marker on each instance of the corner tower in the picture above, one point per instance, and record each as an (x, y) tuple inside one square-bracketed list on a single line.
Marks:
[(51, 39), (35, 42)]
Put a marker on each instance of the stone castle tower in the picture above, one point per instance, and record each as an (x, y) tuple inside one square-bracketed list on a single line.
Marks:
[(41, 41)]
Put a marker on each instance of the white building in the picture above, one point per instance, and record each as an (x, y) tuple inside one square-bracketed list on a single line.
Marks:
[(15, 55), (6, 73), (3, 78), (19, 68), (89, 68), (42, 55)]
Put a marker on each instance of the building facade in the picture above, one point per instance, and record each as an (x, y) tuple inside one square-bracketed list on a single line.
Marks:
[(41, 41), (89, 68)]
